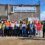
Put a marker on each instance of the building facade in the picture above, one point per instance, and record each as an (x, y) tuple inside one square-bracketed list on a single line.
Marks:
[(19, 12)]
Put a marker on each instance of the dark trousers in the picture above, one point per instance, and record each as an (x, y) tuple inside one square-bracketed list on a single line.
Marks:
[(31, 32), (43, 33), (24, 34), (6, 31), (17, 31), (11, 31), (1, 32), (20, 32)]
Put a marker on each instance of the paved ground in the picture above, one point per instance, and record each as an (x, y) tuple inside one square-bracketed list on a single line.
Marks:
[(21, 41)]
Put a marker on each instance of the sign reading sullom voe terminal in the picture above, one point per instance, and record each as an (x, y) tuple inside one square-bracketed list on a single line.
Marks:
[(24, 9)]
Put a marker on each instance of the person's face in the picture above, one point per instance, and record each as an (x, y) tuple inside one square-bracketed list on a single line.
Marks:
[(39, 22), (30, 22), (36, 21)]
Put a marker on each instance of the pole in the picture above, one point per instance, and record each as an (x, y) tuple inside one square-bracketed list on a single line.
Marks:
[(7, 12)]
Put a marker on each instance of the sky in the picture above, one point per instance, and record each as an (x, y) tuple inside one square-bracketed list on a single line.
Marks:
[(42, 9), (42, 4), (18, 2), (14, 2)]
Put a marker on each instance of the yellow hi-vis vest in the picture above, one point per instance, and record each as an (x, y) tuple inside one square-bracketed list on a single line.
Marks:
[(0, 26)]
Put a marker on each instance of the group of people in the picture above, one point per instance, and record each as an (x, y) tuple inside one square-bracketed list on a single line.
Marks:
[(21, 28)]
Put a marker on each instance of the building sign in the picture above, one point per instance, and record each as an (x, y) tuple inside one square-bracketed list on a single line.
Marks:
[(24, 9)]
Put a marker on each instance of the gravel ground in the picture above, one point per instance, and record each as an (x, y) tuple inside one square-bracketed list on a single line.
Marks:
[(20, 41)]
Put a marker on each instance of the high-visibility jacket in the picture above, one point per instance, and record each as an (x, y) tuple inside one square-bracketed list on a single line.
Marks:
[(0, 26), (7, 24)]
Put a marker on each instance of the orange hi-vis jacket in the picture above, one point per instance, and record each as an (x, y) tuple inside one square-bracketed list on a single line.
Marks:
[(8, 23)]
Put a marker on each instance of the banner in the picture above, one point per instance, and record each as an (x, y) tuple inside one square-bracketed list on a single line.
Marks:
[(24, 9)]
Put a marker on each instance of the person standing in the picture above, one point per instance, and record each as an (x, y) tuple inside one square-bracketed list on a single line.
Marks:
[(12, 28), (7, 25), (24, 26), (43, 29), (39, 29), (18, 28), (1, 31)]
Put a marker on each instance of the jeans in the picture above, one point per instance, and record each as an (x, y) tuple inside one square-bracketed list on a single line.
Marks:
[(24, 32)]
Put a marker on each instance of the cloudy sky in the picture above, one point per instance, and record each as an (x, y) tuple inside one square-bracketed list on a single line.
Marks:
[(42, 4)]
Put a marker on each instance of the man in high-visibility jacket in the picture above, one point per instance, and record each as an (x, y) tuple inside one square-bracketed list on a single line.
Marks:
[(7, 24)]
